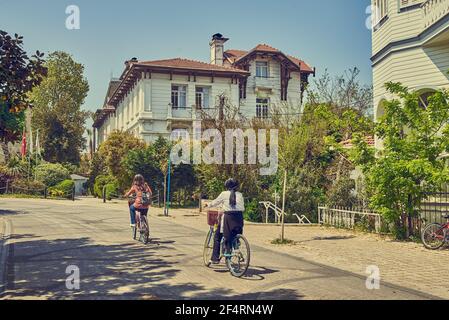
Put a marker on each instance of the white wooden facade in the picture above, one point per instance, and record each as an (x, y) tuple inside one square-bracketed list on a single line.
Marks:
[(410, 46), (143, 105)]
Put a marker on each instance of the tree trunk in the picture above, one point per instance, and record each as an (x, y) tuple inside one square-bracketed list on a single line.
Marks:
[(5, 150)]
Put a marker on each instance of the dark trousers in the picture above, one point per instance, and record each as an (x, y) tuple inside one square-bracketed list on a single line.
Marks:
[(232, 226)]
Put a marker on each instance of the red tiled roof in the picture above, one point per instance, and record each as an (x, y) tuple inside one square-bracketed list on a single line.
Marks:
[(179, 63), (348, 143), (234, 55)]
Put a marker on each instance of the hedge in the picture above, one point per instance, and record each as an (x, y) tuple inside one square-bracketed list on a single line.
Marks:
[(101, 182), (51, 174), (63, 189)]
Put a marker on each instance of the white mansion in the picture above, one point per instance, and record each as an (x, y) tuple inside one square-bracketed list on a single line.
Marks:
[(154, 98), (411, 46)]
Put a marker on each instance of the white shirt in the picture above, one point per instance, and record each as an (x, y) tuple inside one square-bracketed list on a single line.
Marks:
[(223, 202)]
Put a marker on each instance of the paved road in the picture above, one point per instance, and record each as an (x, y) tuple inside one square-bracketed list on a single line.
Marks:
[(45, 237)]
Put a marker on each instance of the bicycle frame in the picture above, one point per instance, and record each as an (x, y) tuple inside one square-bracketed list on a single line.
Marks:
[(444, 230)]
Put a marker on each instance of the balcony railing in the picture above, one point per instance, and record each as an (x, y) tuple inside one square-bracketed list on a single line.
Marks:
[(434, 10), (264, 82)]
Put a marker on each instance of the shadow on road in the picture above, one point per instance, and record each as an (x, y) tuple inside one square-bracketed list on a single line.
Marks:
[(40, 268), (11, 212)]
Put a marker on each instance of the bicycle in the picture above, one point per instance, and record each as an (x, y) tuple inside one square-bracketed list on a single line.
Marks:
[(238, 260), (142, 227), (436, 235)]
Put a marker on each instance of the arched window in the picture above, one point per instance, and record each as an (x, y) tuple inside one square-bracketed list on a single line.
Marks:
[(424, 96)]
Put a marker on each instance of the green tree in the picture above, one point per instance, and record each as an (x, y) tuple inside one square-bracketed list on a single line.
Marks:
[(410, 164), (114, 150), (57, 113), (18, 75)]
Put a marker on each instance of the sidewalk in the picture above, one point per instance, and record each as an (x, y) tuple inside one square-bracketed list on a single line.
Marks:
[(405, 264)]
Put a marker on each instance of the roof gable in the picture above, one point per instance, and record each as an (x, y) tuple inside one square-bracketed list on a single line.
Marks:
[(236, 56)]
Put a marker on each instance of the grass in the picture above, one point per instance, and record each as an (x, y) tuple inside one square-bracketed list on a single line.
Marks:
[(19, 196), (278, 241)]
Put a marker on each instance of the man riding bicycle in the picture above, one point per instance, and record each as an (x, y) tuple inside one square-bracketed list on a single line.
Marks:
[(143, 193), (231, 225)]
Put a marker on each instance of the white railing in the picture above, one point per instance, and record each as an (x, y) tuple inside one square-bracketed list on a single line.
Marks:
[(434, 10), (278, 213), (349, 218)]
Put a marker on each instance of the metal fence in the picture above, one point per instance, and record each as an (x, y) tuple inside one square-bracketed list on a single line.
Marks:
[(351, 218), (435, 206), (11, 189)]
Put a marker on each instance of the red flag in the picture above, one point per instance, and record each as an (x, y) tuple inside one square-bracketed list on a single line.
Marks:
[(23, 150)]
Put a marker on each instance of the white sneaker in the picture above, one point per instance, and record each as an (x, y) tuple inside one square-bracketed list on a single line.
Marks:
[(132, 225)]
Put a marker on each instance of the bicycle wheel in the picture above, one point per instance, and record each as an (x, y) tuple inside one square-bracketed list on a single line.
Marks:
[(208, 247), (145, 231), (433, 236), (239, 260)]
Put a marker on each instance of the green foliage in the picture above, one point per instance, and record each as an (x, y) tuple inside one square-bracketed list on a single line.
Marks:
[(341, 193), (144, 161), (18, 75), (51, 173), (17, 167), (111, 190), (23, 186), (57, 113), (114, 150), (252, 212), (63, 189), (101, 181), (410, 164)]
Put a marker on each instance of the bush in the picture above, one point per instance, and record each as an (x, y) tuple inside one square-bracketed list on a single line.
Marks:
[(63, 189), (51, 173), (4, 177), (251, 211), (101, 182), (22, 186), (111, 190)]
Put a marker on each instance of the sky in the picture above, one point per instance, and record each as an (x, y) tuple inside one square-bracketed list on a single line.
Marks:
[(327, 34)]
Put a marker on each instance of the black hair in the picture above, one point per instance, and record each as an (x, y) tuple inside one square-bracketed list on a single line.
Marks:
[(232, 185)]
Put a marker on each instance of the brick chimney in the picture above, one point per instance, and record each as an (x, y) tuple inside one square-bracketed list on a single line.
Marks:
[(217, 49)]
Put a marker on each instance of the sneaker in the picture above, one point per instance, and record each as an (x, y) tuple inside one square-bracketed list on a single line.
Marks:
[(132, 225), (214, 261)]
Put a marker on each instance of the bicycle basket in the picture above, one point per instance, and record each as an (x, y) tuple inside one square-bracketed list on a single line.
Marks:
[(212, 218)]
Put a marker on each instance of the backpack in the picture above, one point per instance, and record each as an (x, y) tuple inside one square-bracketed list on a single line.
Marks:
[(146, 199)]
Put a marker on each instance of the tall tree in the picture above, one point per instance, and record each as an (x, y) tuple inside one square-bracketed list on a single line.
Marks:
[(18, 75), (57, 113), (114, 150), (411, 164)]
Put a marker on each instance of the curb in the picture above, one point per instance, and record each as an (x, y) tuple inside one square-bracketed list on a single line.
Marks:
[(4, 253)]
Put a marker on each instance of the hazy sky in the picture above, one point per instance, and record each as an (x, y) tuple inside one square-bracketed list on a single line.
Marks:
[(325, 33)]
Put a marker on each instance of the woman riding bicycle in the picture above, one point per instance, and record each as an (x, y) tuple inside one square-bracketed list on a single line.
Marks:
[(231, 225), (138, 189)]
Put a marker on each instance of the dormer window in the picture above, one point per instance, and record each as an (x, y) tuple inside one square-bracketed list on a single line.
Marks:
[(262, 69)]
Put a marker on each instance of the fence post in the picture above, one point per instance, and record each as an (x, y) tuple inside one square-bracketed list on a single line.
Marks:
[(73, 193), (104, 194), (45, 192), (7, 186)]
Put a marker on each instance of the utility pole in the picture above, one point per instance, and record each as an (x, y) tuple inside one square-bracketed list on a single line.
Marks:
[(167, 207), (283, 207)]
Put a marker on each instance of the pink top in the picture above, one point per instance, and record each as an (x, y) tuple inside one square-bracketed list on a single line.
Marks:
[(138, 191)]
